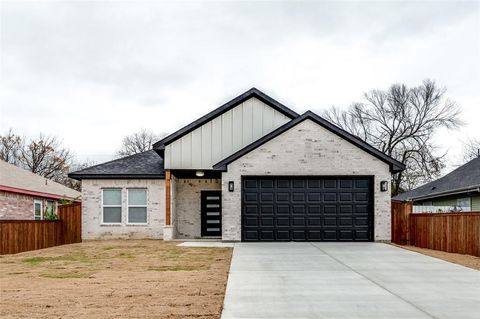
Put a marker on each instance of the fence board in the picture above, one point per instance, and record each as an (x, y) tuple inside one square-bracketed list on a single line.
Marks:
[(450, 232), (23, 235)]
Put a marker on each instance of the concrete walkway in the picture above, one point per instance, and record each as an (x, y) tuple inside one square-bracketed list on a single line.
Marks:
[(346, 280)]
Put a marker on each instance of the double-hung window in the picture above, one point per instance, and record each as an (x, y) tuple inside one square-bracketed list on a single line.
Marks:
[(37, 209), (112, 206), (137, 206)]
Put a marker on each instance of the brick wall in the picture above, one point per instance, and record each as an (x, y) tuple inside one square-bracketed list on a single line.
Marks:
[(16, 206), (306, 149), (187, 212), (92, 227)]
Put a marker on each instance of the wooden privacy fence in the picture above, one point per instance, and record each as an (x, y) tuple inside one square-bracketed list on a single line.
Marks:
[(23, 235), (450, 232)]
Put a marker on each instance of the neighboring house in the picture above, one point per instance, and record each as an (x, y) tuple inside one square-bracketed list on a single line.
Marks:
[(25, 195), (456, 191), (251, 170)]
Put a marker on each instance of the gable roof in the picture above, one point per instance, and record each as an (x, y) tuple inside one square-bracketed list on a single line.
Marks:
[(463, 179), (13, 179), (253, 92), (395, 166), (148, 165)]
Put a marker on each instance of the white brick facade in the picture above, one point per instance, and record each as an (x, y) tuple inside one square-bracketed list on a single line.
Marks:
[(305, 149), (92, 227), (187, 208)]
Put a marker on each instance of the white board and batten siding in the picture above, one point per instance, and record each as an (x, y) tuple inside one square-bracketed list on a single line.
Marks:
[(222, 136)]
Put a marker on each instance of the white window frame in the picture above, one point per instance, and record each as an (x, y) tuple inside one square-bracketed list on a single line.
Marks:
[(121, 206), (41, 208), (146, 204)]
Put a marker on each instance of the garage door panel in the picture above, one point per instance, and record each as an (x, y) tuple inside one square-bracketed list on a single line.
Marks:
[(250, 221), (283, 221), (329, 197), (314, 235), (266, 221), (266, 183), (346, 183), (267, 235), (298, 221), (298, 197), (282, 235), (314, 209), (306, 209), (329, 184), (250, 197), (267, 197), (251, 209)]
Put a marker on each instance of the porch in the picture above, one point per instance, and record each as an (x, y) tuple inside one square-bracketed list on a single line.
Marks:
[(193, 205)]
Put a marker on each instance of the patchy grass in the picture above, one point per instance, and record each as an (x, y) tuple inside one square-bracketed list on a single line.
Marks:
[(177, 268), (115, 279), (66, 275)]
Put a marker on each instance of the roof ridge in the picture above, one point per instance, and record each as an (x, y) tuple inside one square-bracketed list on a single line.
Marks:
[(253, 92)]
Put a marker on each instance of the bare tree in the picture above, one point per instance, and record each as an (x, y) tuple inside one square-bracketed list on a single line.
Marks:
[(10, 147), (138, 142), (471, 150), (401, 122), (76, 166), (46, 157)]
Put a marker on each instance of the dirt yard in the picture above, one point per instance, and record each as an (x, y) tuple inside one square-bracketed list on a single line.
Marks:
[(464, 260), (114, 279)]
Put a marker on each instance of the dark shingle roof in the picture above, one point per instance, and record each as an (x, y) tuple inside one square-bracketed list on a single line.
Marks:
[(143, 165), (464, 178)]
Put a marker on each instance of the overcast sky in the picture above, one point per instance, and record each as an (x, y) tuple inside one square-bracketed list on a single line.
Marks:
[(93, 72)]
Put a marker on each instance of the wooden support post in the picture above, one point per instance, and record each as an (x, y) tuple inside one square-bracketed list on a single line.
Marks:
[(167, 199)]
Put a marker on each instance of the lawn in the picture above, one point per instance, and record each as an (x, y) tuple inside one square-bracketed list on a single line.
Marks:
[(115, 279)]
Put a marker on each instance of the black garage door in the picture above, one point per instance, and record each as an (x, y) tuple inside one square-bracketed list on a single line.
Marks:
[(307, 209)]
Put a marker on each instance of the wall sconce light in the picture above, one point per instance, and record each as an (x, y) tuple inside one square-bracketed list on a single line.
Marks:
[(384, 186), (231, 186), (200, 173)]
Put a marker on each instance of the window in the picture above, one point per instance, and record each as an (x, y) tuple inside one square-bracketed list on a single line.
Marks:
[(51, 207), (464, 204), (37, 209), (112, 206), (137, 206)]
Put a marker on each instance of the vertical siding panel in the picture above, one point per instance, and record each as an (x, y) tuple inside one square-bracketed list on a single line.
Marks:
[(216, 140), (197, 146), (206, 144), (267, 119), (257, 125), (247, 122), (186, 154), (227, 134), (237, 128), (176, 151)]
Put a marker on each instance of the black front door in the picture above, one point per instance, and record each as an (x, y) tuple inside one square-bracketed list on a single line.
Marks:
[(212, 213)]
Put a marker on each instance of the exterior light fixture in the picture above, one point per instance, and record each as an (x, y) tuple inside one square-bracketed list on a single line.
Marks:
[(384, 186), (200, 173), (231, 186)]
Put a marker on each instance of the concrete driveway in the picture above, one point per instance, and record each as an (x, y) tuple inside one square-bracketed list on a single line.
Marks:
[(346, 280)]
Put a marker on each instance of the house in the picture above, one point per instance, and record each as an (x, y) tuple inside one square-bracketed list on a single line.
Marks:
[(25, 195), (456, 191), (250, 170)]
